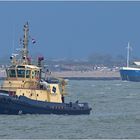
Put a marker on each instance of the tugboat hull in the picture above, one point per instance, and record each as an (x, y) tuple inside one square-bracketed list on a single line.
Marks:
[(23, 105)]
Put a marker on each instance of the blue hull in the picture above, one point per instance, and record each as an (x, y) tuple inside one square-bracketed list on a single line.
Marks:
[(22, 105), (130, 75)]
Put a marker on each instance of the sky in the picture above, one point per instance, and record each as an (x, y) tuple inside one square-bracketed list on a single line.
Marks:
[(71, 29)]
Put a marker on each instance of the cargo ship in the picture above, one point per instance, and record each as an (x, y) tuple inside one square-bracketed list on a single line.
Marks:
[(130, 73)]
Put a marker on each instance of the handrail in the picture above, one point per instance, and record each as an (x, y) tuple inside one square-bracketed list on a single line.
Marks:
[(20, 88)]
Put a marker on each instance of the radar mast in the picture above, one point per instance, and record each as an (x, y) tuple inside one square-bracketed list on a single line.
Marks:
[(25, 51)]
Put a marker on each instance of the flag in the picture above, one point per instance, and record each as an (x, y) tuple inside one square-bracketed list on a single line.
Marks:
[(33, 41)]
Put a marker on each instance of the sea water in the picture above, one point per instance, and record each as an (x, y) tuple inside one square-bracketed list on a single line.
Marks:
[(115, 114)]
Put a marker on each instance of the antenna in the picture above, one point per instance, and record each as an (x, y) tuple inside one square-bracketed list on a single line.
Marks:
[(128, 53), (13, 41), (25, 44)]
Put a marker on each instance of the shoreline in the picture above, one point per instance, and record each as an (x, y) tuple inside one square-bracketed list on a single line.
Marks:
[(80, 75), (87, 75), (92, 78)]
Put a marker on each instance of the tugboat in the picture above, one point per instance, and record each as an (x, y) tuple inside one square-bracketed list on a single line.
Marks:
[(24, 91)]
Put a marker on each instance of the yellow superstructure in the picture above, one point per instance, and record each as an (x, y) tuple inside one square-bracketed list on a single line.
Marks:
[(24, 78)]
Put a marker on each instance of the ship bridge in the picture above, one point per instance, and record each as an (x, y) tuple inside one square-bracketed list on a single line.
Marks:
[(23, 71)]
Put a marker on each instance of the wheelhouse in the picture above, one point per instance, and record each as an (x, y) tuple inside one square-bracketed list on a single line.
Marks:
[(20, 71)]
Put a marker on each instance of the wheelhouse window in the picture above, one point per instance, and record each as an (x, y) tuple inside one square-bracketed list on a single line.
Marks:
[(28, 73), (21, 73), (21, 67), (12, 73), (37, 74), (33, 74)]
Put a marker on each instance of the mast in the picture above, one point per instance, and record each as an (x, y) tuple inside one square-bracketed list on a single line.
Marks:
[(128, 54), (25, 51)]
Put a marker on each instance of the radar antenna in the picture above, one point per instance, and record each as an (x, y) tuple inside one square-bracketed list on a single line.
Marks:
[(25, 51)]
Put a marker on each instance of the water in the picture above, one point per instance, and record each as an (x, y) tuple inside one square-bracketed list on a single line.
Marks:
[(115, 114)]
